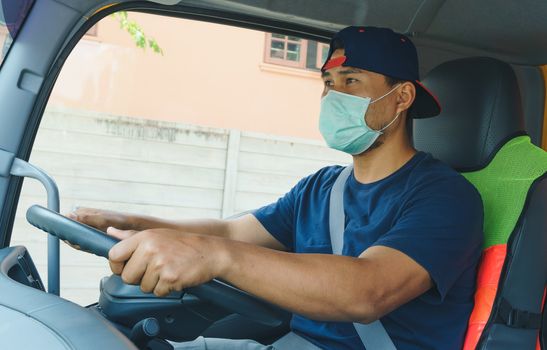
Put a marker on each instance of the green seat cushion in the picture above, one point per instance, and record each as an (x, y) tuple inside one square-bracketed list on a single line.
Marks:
[(504, 184)]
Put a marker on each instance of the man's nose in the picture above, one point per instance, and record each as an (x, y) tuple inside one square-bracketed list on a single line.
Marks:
[(333, 88), (339, 88)]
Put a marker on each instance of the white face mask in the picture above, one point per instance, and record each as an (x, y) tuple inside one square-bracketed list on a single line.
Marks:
[(343, 124)]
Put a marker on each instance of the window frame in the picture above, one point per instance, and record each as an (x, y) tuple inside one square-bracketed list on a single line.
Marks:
[(284, 62)]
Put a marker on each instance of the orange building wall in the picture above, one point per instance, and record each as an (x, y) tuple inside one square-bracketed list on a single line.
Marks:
[(209, 75)]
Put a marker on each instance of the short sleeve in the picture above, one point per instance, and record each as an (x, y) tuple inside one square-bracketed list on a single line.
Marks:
[(278, 218), (440, 228)]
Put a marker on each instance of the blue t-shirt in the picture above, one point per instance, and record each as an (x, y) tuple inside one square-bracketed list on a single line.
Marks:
[(426, 210)]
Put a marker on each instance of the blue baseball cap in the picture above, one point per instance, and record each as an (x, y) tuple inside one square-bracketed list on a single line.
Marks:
[(383, 51)]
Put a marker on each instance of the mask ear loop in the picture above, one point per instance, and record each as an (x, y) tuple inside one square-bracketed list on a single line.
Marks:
[(398, 114), (391, 122), (387, 93)]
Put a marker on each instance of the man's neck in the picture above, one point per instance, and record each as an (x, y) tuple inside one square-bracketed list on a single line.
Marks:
[(383, 161)]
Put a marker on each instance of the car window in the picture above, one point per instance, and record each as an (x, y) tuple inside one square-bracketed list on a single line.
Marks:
[(177, 119), (12, 16)]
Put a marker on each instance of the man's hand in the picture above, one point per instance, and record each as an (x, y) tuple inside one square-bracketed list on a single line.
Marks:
[(102, 219), (166, 260)]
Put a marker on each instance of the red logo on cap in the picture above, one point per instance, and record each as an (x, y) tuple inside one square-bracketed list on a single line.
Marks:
[(334, 62)]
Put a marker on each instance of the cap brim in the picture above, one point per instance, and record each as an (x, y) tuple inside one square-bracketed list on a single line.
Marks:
[(426, 105)]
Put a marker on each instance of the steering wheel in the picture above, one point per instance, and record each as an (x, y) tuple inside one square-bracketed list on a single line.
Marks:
[(97, 242)]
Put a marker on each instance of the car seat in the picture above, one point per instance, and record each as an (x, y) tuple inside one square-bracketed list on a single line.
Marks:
[(480, 133)]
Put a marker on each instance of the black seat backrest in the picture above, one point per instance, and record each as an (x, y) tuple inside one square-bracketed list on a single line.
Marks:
[(480, 133)]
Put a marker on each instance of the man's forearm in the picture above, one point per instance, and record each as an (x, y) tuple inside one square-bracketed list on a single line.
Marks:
[(245, 228), (319, 286), (210, 227)]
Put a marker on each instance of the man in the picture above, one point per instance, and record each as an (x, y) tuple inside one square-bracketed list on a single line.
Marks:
[(413, 226)]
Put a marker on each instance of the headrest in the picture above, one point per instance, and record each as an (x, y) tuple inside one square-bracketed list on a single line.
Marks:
[(481, 108)]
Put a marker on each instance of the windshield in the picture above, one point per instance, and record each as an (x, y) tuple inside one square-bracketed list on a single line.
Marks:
[(12, 16)]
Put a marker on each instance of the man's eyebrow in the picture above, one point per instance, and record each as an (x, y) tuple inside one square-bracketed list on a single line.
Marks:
[(343, 72), (350, 71)]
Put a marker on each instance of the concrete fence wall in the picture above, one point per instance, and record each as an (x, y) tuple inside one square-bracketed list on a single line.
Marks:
[(165, 169)]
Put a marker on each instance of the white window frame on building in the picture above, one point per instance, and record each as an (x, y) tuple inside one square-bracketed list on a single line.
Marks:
[(286, 40), (312, 62)]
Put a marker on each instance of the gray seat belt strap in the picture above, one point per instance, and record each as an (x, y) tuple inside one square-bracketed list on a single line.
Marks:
[(373, 335), (291, 341), (337, 217)]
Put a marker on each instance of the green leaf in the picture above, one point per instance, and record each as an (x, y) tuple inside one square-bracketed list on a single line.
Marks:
[(136, 32)]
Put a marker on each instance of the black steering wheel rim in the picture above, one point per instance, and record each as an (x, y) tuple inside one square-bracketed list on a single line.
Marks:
[(96, 242)]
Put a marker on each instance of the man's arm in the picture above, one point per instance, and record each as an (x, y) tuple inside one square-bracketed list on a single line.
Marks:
[(328, 287), (245, 228), (319, 286)]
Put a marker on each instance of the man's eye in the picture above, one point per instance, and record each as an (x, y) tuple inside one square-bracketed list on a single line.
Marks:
[(350, 80), (328, 83)]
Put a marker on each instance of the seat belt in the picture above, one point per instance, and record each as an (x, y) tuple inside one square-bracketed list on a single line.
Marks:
[(373, 335), (292, 341)]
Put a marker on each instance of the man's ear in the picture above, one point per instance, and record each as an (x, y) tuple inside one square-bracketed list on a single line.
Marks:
[(405, 96)]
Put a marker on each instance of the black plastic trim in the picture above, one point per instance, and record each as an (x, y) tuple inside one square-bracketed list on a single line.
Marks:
[(543, 329), (493, 153), (508, 260), (13, 192), (515, 318), (17, 33)]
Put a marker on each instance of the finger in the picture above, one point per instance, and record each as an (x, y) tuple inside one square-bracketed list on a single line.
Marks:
[(116, 267), (122, 251), (120, 234), (149, 280), (162, 288), (72, 245), (88, 216), (135, 267)]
